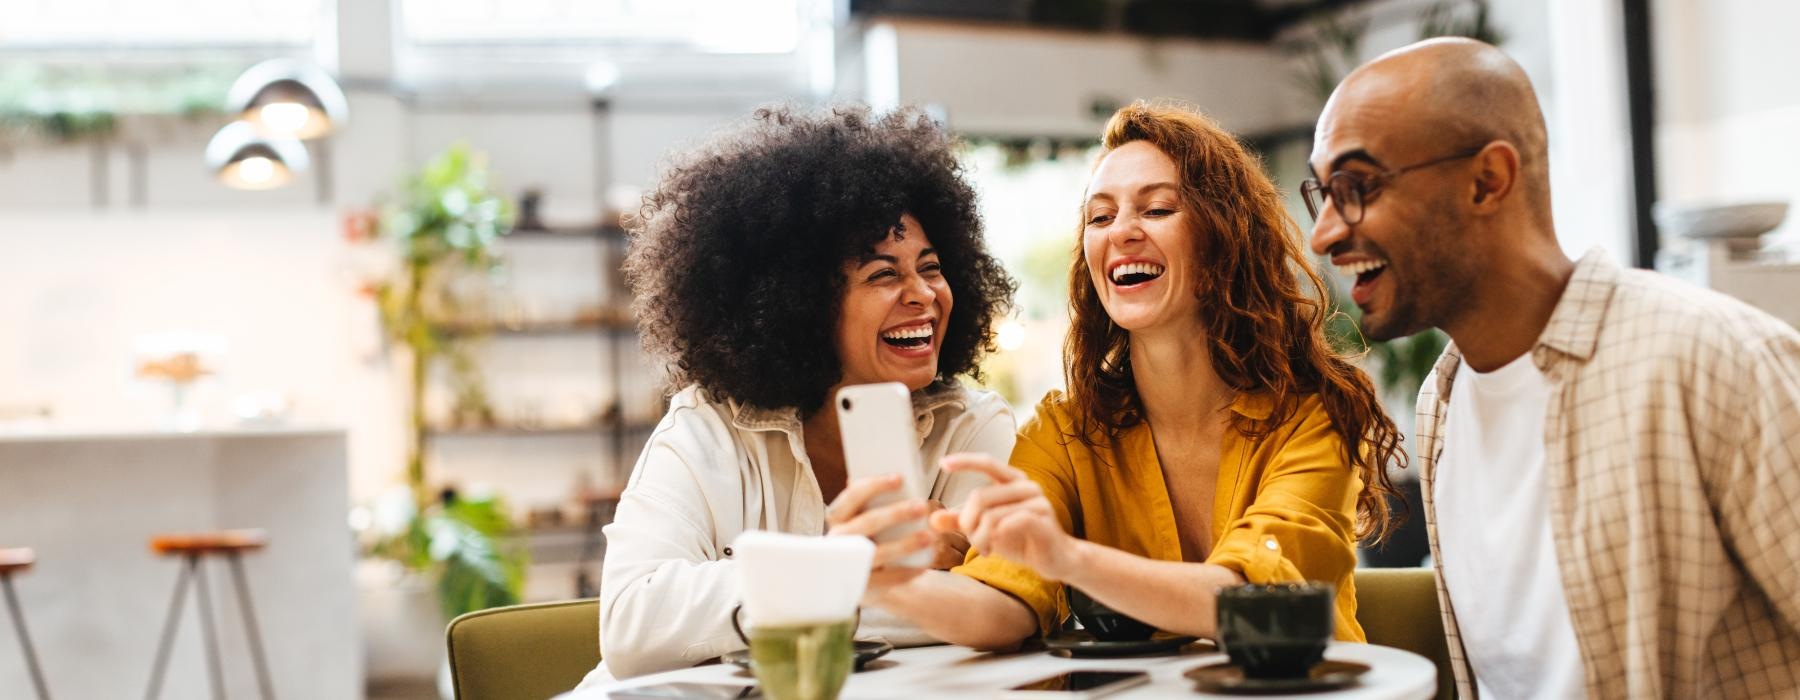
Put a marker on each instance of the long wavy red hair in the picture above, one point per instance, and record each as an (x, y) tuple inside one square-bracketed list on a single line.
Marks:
[(1265, 309)]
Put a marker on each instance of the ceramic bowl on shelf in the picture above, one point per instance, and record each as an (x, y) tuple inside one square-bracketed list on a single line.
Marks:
[(1723, 221)]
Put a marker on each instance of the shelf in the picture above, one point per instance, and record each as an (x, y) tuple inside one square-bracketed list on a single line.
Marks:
[(523, 431), (581, 327), (567, 233)]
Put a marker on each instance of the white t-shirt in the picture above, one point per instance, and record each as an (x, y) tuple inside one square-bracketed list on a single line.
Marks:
[(1493, 524)]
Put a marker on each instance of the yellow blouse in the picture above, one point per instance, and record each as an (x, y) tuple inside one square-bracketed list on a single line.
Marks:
[(1284, 508)]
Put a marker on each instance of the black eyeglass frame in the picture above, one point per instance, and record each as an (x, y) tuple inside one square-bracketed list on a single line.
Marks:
[(1361, 188)]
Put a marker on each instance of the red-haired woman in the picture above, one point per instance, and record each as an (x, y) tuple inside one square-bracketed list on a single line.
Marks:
[(1210, 436)]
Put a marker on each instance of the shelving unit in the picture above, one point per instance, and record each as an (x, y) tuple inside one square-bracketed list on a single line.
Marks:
[(576, 540), (544, 328)]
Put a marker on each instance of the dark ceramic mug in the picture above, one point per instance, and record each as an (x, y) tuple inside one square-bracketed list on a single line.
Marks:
[(1277, 630), (1105, 623)]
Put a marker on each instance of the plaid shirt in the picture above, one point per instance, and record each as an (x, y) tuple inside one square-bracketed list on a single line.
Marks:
[(1672, 458)]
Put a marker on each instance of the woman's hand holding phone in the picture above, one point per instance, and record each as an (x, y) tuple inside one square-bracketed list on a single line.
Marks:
[(850, 514)]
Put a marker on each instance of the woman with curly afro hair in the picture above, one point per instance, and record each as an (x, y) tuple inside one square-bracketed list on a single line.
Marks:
[(797, 254)]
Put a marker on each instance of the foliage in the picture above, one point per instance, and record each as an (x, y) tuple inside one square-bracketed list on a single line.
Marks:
[(443, 226), (1404, 362), (1444, 18), (470, 544), (64, 103), (1335, 49), (440, 230)]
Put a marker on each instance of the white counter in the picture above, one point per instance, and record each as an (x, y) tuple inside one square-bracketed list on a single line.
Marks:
[(89, 501)]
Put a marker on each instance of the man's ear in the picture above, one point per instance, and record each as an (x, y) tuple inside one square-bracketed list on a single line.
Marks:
[(1496, 170)]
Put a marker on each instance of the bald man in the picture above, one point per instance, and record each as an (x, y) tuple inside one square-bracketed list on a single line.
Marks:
[(1610, 459)]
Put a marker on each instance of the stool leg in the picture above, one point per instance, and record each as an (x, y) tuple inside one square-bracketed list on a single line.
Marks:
[(31, 662), (256, 649), (206, 629), (168, 635)]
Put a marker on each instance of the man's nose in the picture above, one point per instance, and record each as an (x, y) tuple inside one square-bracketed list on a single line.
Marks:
[(1328, 231)]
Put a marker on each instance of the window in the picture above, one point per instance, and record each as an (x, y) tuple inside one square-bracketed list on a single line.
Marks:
[(132, 24), (715, 26)]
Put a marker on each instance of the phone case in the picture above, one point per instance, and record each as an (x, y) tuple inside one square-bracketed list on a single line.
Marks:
[(876, 424)]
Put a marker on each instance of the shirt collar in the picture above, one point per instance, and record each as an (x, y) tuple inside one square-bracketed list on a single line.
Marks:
[(926, 403), (1574, 326), (1255, 405)]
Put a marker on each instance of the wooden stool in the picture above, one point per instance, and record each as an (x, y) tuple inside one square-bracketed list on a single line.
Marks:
[(18, 561), (230, 544)]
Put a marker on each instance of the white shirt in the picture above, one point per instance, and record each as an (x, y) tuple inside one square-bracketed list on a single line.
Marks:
[(713, 469), (1493, 523)]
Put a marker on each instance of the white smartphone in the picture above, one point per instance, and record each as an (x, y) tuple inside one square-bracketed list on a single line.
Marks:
[(1077, 684), (876, 424)]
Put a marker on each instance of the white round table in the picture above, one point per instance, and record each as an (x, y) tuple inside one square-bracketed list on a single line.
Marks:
[(960, 672)]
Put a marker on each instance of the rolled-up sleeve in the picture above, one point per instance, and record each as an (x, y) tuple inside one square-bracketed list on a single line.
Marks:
[(1038, 452), (1301, 526)]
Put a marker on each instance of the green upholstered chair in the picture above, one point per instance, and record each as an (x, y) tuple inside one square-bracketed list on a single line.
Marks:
[(1399, 608), (524, 651)]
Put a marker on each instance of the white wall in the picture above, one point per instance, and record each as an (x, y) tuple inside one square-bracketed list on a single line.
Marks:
[(1573, 53), (1022, 82), (1728, 102), (83, 285), (268, 271)]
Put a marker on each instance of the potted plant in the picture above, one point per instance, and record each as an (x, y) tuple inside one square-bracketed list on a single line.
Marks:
[(435, 236)]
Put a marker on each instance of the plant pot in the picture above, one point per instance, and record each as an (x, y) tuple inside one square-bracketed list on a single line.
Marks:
[(402, 623)]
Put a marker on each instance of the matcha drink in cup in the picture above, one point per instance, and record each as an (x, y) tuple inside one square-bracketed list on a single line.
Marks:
[(799, 610)]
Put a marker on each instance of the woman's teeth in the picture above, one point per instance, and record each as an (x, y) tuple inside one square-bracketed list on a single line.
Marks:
[(908, 337), (1136, 273)]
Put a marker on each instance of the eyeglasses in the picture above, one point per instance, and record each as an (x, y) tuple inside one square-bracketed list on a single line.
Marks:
[(1349, 190)]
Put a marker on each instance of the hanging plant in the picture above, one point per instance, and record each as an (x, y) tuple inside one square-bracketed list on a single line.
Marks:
[(65, 104)]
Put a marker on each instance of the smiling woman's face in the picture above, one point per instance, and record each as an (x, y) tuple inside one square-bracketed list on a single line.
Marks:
[(1136, 239), (896, 306)]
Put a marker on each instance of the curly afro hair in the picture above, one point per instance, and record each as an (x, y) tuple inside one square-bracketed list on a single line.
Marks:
[(737, 258)]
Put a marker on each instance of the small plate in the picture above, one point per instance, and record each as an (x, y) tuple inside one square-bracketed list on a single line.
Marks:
[(1226, 677), (865, 652), (1081, 644)]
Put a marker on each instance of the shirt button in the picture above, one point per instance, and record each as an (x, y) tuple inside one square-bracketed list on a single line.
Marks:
[(1271, 544), (728, 551)]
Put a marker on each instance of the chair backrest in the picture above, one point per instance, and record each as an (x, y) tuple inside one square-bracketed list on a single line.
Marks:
[(524, 651), (1399, 608)]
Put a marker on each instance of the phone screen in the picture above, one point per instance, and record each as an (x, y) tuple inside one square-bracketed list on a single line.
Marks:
[(1079, 681), (698, 691)]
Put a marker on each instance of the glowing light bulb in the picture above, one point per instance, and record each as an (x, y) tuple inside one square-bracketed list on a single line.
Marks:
[(255, 170), (284, 118)]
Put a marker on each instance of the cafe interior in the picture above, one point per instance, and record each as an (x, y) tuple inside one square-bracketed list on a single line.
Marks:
[(244, 454)]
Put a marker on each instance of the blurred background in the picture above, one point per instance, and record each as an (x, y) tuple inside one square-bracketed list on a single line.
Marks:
[(345, 271)]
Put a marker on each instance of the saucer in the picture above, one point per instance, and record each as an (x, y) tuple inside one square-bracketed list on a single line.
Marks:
[(865, 652), (1080, 644), (1226, 677)]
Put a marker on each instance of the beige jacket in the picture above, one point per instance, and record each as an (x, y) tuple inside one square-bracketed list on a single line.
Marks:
[(1672, 458), (714, 469)]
